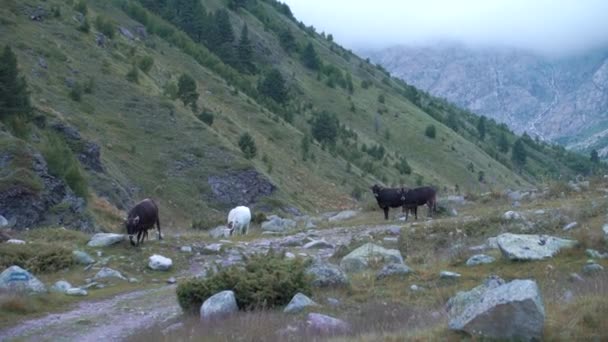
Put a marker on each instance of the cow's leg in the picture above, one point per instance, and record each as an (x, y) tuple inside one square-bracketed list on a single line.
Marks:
[(385, 213), (139, 235), (416, 212), (131, 240), (246, 229), (160, 237)]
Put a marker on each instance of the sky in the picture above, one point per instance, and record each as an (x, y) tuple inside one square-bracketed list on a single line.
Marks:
[(551, 27)]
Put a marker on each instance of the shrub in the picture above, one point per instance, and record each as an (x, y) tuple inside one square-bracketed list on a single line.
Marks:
[(105, 26), (81, 6), (146, 63), (258, 218), (89, 85), (206, 116), (84, 26), (266, 281), (76, 92), (133, 75), (36, 257), (247, 145), (430, 131), (63, 164), (403, 167)]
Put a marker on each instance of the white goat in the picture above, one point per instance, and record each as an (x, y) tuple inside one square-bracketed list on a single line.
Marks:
[(239, 219)]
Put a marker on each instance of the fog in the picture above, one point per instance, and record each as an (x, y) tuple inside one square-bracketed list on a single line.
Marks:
[(551, 27)]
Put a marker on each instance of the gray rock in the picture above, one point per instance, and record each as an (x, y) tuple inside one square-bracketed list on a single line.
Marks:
[(171, 280), (133, 280), (448, 275), (289, 255), (76, 291), (15, 242), (106, 272), (159, 263), (343, 215), (220, 232), (17, 279), (392, 270), (570, 226), (318, 244), (512, 215), (298, 303), (61, 286), (530, 246), (100, 39), (575, 277), (141, 31), (277, 224), (390, 239), (480, 259), (3, 221), (212, 248), (360, 258), (125, 32), (105, 239), (333, 302), (320, 323), (291, 241), (592, 253), (186, 249), (326, 275), (539, 212), (82, 257), (499, 310), (568, 296), (492, 243), (237, 187), (416, 288), (592, 268), (219, 305), (605, 230), (454, 199)]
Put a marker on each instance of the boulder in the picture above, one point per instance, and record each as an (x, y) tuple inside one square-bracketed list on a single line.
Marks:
[(105, 239), (298, 303), (106, 272), (511, 215), (76, 291), (219, 305), (16, 278), (318, 244), (531, 246), (480, 259), (82, 257), (448, 275), (186, 249), (343, 215), (61, 286), (392, 270), (126, 33), (360, 258), (159, 263), (592, 253), (326, 275), (291, 241), (499, 310), (212, 248), (3, 221), (277, 224), (15, 242), (320, 323), (592, 267)]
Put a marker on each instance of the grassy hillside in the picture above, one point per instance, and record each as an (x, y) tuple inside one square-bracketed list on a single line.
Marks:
[(152, 145)]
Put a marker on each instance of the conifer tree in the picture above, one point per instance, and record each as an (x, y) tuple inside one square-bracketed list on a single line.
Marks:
[(503, 143), (245, 51), (14, 96), (519, 154), (310, 58), (481, 127), (273, 86), (186, 90)]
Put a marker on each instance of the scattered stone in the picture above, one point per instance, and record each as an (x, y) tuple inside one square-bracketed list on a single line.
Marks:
[(390, 239), (16, 278), (326, 275), (333, 301), (448, 275), (570, 226), (15, 242), (499, 310), (361, 257), (106, 272), (99, 254), (61, 286), (42, 63), (171, 280), (480, 259), (290, 255), (133, 280), (186, 249), (393, 269), (416, 288), (298, 303), (592, 268), (592, 253), (76, 291), (141, 31), (277, 224), (105, 239), (82, 257), (219, 232), (212, 248), (3, 221), (458, 200), (539, 212), (343, 215), (291, 241), (512, 215), (516, 204), (318, 244), (492, 243), (38, 14), (575, 277), (568, 296), (326, 324), (530, 246), (219, 305), (100, 39), (159, 263)]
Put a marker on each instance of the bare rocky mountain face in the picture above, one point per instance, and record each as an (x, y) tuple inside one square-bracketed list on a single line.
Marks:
[(562, 99)]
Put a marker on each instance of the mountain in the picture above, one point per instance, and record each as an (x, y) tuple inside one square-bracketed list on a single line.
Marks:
[(207, 105), (563, 99)]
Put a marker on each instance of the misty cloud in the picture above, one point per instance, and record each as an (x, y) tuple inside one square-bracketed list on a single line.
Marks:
[(545, 26)]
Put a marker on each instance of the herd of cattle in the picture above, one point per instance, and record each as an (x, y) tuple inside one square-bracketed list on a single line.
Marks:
[(144, 215)]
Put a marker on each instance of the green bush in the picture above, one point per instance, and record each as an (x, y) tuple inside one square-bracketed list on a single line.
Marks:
[(133, 75), (247, 145), (81, 6), (105, 26), (84, 26), (63, 164), (146, 63), (36, 257), (267, 281), (430, 131), (206, 116), (258, 218)]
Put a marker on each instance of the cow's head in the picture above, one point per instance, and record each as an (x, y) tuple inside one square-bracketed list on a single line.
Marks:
[(231, 227), (131, 223), (404, 191), (376, 190)]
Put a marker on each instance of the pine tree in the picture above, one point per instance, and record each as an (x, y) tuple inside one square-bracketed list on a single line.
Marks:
[(452, 122), (247, 145), (481, 127), (595, 158), (288, 42), (349, 83), (223, 26), (305, 147), (503, 143), (14, 96), (310, 59), (273, 86), (519, 154), (186, 91), (245, 51), (325, 128)]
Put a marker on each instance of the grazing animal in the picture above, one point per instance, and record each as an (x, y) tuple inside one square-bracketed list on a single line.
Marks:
[(388, 198), (412, 198), (239, 219), (141, 218)]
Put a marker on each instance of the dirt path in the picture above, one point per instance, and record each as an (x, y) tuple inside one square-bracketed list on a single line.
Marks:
[(105, 320)]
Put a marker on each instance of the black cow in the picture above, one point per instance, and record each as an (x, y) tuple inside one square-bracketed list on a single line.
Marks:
[(412, 198), (141, 218), (388, 198)]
